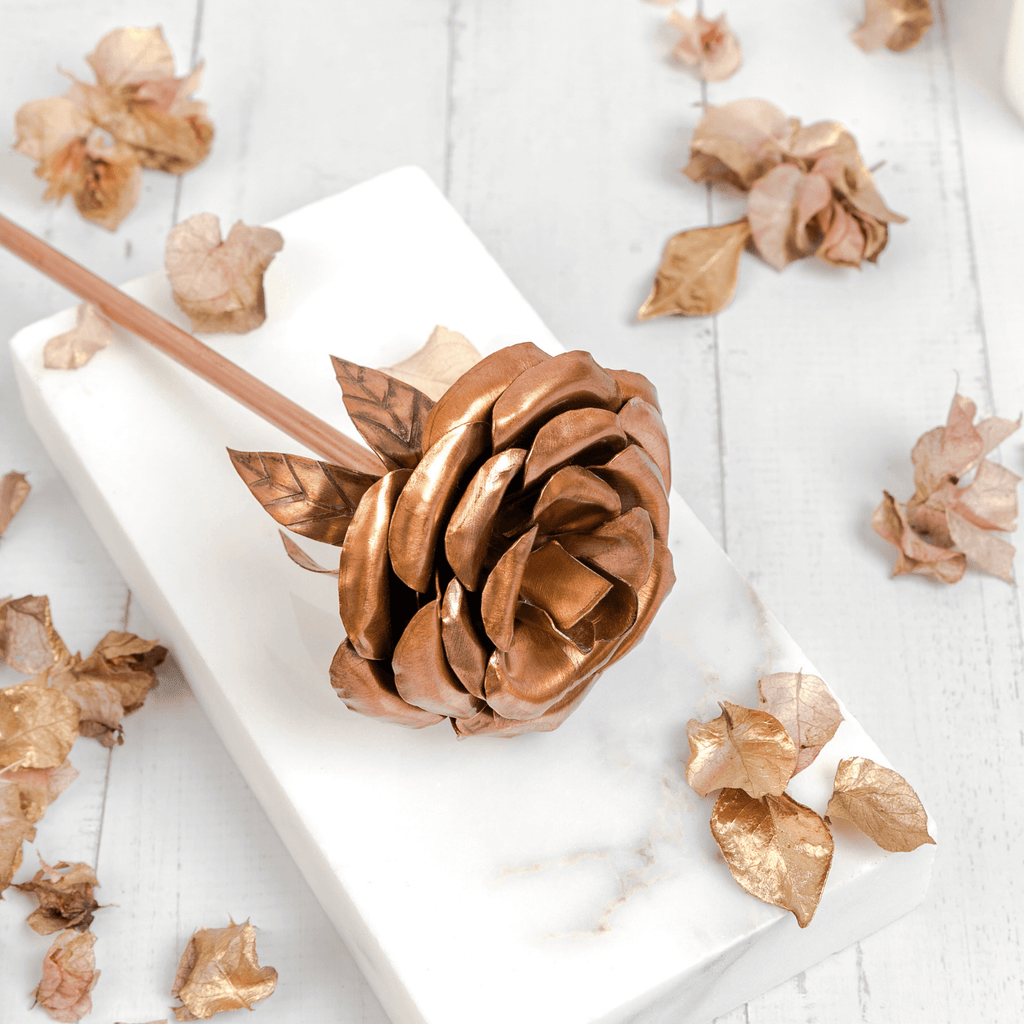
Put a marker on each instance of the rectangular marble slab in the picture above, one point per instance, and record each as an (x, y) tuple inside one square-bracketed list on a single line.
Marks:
[(559, 878)]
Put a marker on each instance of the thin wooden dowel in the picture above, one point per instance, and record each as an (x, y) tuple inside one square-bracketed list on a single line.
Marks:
[(274, 407)]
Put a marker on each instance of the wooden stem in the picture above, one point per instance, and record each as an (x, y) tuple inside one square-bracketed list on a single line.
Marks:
[(295, 421)]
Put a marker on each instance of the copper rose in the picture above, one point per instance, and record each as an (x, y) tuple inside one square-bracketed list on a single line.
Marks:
[(514, 547)]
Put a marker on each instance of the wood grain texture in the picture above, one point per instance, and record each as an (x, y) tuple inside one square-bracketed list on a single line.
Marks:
[(558, 131)]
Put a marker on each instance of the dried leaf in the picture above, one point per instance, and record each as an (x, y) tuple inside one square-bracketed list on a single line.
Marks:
[(219, 971), (65, 895), (916, 555), (711, 47), (778, 850), (881, 803), (219, 284), (37, 726), (15, 828), (897, 24), (805, 707), (74, 348), (299, 557), (69, 975), (39, 787), (698, 271), (14, 490), (28, 641), (780, 206), (445, 357), (741, 749)]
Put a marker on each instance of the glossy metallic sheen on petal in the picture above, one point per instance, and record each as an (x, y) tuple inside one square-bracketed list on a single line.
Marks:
[(574, 500), (622, 547), (636, 385), (466, 652), (643, 424), (565, 588), (638, 482), (423, 676), (469, 529), (491, 723), (501, 591), (427, 499), (649, 599), (615, 613), (568, 436), (471, 397), (571, 380), (364, 571), (369, 688)]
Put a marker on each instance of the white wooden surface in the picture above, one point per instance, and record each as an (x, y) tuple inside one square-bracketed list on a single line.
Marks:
[(558, 130)]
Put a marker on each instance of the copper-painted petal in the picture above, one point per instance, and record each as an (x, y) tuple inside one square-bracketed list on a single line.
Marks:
[(567, 436), (638, 481), (615, 613), (490, 722), (649, 598), (575, 500), (423, 676), (472, 396), (364, 576), (623, 547), (501, 591), (463, 647), (636, 385), (571, 380), (565, 588), (643, 424), (427, 500), (469, 529), (369, 688)]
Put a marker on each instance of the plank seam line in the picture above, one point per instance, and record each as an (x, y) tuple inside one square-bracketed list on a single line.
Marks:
[(193, 57), (453, 26)]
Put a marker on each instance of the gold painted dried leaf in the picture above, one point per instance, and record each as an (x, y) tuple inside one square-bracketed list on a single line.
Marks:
[(65, 895), (780, 207), (74, 348), (15, 828), (881, 803), (897, 24), (708, 46), (219, 284), (302, 558), (219, 971), (28, 641), (69, 975), (741, 749), (805, 707), (778, 850), (37, 726), (442, 360), (39, 787), (14, 490), (698, 271)]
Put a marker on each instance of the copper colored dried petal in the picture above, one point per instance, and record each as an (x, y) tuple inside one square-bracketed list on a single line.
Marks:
[(889, 521), (472, 397), (805, 707), (69, 975), (565, 588), (423, 676), (500, 595), (28, 641), (709, 46), (591, 434), (949, 451), (38, 787), (303, 558), (881, 803), (74, 348), (575, 500), (988, 552), (571, 380), (469, 528), (369, 688), (622, 547), (639, 483), (14, 489), (896, 24), (615, 613), (489, 722), (65, 895), (994, 431), (427, 499), (390, 414), (844, 167), (644, 426), (465, 651), (364, 572), (15, 829), (991, 500), (778, 850), (37, 726), (636, 385)]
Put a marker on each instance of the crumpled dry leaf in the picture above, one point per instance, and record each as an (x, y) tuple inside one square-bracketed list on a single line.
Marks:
[(944, 524), (28, 641), (65, 894), (74, 348), (445, 357), (14, 490), (778, 850), (300, 557), (15, 828), (805, 707), (897, 24), (69, 975), (698, 271), (219, 284), (741, 749), (710, 47), (37, 726), (881, 803), (219, 971)]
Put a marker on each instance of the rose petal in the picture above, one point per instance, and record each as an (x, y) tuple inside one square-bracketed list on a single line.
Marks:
[(501, 591), (644, 426), (565, 588), (465, 651), (638, 482), (575, 500), (594, 434), (623, 547)]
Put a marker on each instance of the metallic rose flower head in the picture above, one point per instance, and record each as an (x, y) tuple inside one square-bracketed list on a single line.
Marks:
[(515, 547)]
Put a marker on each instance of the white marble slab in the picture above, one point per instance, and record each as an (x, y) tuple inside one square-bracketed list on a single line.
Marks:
[(566, 877)]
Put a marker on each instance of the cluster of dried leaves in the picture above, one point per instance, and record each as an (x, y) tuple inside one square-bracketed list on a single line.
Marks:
[(709, 46), (809, 193), (777, 849), (897, 24), (92, 142), (947, 522)]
